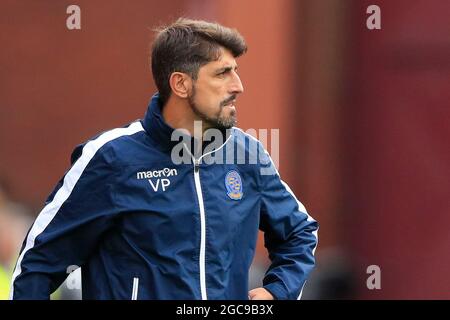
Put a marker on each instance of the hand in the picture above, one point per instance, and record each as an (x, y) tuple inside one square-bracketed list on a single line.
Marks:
[(260, 294)]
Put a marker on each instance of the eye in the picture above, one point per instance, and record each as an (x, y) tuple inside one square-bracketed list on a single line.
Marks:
[(226, 71)]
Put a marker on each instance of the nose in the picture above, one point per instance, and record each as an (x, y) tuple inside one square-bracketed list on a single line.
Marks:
[(236, 85)]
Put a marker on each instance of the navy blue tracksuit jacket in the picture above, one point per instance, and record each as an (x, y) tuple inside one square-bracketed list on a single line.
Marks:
[(144, 227)]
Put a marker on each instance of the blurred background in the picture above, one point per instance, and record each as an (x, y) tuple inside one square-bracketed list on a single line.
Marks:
[(363, 115)]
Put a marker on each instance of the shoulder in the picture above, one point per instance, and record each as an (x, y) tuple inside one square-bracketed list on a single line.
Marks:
[(247, 141), (255, 151), (107, 145), (245, 137)]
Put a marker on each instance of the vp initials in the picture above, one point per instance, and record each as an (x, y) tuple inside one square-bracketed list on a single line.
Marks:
[(158, 179), (164, 183)]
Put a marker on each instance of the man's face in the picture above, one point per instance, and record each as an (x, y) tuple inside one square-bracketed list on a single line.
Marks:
[(214, 93)]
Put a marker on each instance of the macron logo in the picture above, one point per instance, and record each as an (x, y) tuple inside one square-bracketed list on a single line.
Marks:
[(157, 178)]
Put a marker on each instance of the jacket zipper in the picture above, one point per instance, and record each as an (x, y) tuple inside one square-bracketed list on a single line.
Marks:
[(198, 188)]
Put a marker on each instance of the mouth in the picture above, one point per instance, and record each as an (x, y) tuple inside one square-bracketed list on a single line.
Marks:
[(231, 104)]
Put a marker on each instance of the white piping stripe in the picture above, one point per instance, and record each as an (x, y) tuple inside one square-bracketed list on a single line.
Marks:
[(215, 150), (71, 178), (134, 295), (192, 156), (301, 292), (301, 207)]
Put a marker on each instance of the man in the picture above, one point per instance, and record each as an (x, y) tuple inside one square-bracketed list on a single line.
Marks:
[(143, 225)]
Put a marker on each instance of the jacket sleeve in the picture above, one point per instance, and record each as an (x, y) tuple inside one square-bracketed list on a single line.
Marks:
[(67, 230), (290, 235)]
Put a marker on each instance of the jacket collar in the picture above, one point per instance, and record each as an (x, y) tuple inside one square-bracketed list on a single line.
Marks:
[(155, 126), (161, 133)]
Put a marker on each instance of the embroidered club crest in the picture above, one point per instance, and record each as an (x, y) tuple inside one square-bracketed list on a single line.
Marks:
[(233, 183)]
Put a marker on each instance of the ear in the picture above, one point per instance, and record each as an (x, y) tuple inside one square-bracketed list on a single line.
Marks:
[(181, 84)]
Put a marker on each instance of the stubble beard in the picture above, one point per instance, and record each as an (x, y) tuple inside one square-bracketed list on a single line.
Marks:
[(219, 121)]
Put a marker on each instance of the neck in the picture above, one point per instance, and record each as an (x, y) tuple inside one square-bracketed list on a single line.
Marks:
[(179, 115)]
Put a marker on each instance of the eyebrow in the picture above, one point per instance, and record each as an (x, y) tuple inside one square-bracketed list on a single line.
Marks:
[(228, 68)]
